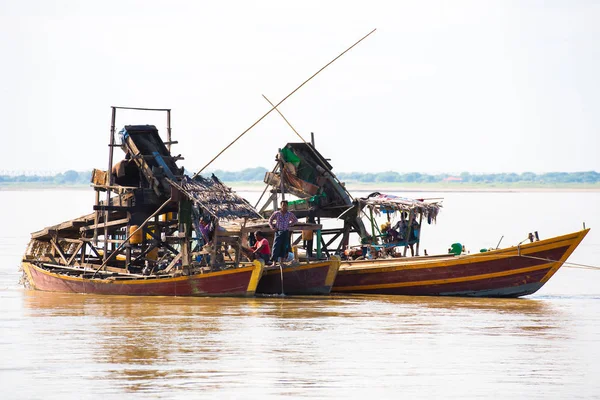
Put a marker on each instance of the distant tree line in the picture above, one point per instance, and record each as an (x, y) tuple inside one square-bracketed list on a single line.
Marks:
[(65, 178), (257, 175), (466, 177), (245, 175)]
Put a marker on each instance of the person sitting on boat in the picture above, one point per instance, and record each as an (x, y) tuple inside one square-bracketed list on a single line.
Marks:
[(280, 222), (391, 234), (415, 229), (205, 230), (260, 249), (401, 226)]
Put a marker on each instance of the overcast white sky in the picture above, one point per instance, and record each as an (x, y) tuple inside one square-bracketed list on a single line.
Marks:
[(441, 86)]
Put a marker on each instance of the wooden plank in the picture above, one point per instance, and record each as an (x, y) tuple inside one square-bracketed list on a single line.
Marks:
[(92, 269), (43, 233), (112, 208), (89, 240), (74, 223), (173, 262), (106, 225)]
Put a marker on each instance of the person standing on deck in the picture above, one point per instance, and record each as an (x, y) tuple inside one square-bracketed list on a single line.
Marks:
[(280, 222)]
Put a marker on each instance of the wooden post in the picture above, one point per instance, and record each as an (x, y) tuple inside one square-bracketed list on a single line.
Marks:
[(408, 231), (213, 257), (185, 247), (110, 181), (372, 225), (319, 244), (346, 236), (419, 237), (82, 260), (239, 249), (281, 184), (96, 216), (169, 130), (275, 202), (128, 248)]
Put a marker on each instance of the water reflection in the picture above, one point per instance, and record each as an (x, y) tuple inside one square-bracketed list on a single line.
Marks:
[(283, 345)]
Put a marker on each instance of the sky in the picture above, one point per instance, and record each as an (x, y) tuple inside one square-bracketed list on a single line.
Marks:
[(441, 86)]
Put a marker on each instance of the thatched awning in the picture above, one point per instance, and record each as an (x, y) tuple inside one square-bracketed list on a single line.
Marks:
[(211, 195), (388, 202)]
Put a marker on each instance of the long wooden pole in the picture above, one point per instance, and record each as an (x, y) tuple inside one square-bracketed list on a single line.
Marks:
[(312, 147), (284, 99), (110, 180)]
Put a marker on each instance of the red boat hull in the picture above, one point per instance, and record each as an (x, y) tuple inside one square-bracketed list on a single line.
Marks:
[(233, 282), (305, 279), (511, 272)]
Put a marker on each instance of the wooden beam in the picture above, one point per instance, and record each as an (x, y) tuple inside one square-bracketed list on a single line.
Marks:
[(173, 262), (93, 248), (75, 253), (160, 242), (59, 250), (332, 239), (106, 225), (112, 208)]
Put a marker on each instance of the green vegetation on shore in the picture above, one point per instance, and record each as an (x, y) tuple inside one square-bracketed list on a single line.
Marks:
[(526, 178), (466, 180)]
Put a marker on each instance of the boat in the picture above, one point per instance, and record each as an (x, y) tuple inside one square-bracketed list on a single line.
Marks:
[(509, 272), (145, 238), (380, 262), (314, 278), (59, 278)]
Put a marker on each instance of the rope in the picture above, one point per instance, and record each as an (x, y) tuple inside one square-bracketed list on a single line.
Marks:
[(564, 263), (281, 273), (284, 99)]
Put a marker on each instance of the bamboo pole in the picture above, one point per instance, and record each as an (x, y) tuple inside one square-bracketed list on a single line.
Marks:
[(284, 99), (312, 147), (408, 233), (110, 181), (169, 130), (420, 229), (281, 178)]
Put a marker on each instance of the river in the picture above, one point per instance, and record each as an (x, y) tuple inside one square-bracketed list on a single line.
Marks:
[(544, 346)]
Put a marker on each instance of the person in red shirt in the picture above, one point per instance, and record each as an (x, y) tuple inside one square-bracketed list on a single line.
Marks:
[(260, 250)]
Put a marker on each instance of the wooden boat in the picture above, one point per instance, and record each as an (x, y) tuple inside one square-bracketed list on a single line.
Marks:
[(314, 278), (140, 240), (511, 272), (381, 264), (58, 278), (146, 237)]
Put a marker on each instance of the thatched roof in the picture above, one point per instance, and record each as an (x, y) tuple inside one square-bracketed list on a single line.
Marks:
[(390, 202), (211, 195)]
